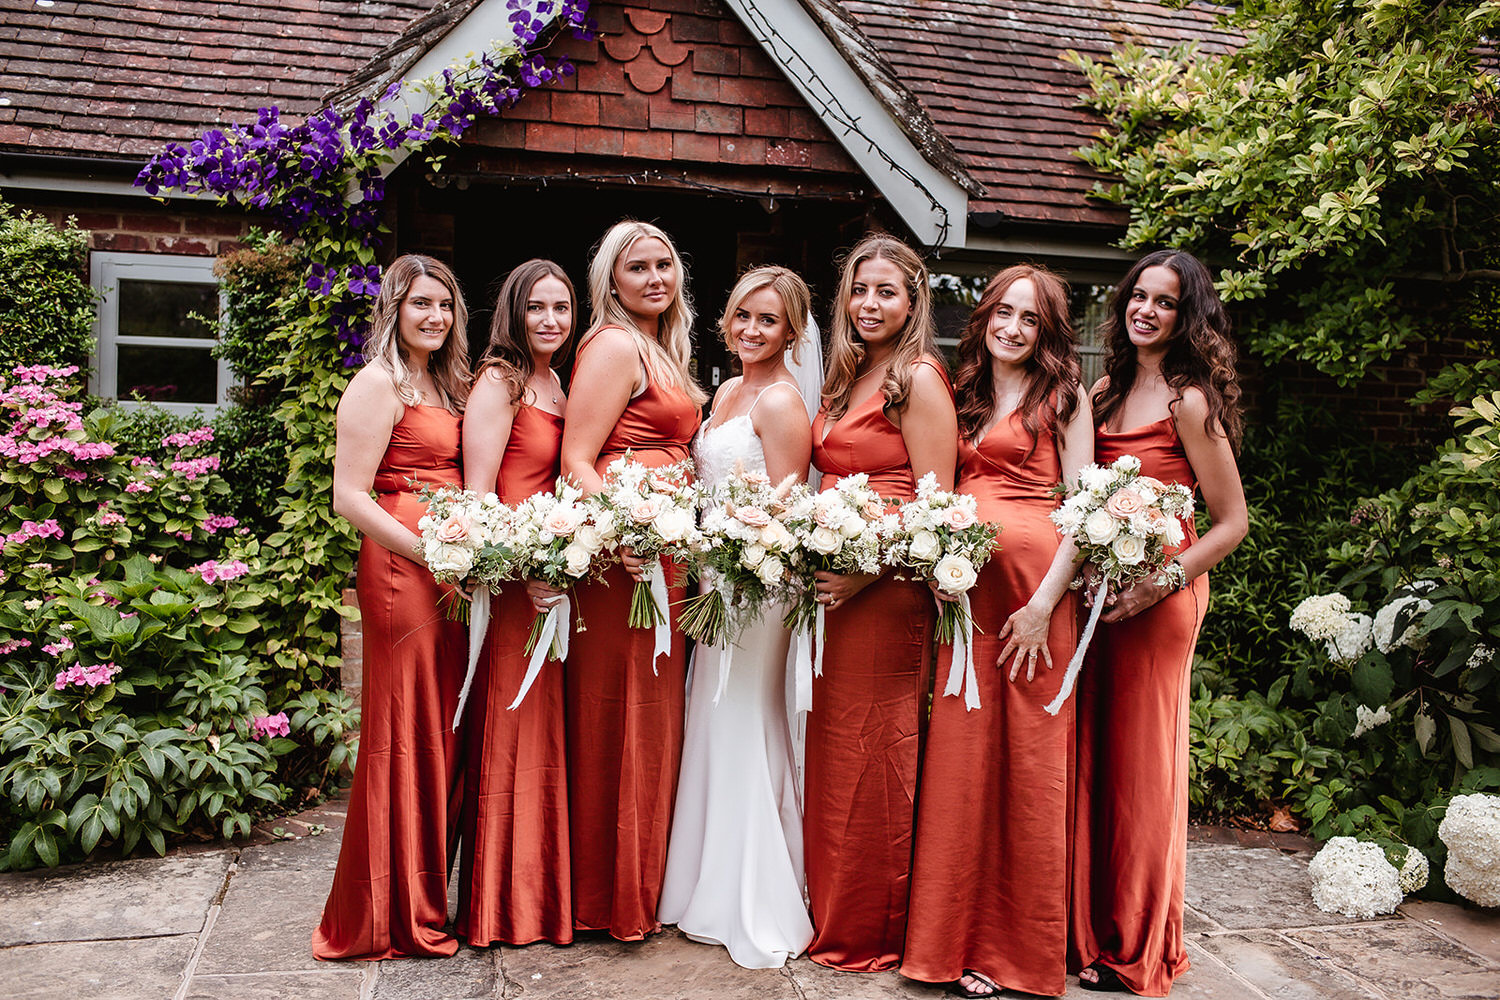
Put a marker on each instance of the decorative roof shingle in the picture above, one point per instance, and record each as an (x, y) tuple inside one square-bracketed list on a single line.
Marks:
[(989, 74)]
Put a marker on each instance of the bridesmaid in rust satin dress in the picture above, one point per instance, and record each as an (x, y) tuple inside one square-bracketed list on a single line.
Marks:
[(1169, 396), (514, 886), (625, 707), (887, 411), (990, 880), (398, 422)]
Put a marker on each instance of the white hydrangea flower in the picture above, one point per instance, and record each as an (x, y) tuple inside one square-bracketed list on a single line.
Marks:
[(1414, 871), (1321, 616), (1471, 832), (1386, 639), (1366, 720), (1354, 878), (1352, 640)]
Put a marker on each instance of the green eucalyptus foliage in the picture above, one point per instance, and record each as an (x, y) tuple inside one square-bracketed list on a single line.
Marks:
[(46, 304), (1342, 146)]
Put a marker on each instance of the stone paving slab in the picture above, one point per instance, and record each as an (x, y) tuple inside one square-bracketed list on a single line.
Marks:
[(326, 984), (112, 899), (1282, 971), (472, 974), (1406, 960), (266, 923), (132, 969), (1245, 889), (1479, 931)]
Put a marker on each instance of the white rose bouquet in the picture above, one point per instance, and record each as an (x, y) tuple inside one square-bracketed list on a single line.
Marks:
[(458, 531), (1123, 523), (655, 513), (943, 539), (746, 554), (843, 530)]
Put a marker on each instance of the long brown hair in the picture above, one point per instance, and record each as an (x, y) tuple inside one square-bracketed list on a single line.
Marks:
[(1052, 378), (509, 349), (449, 364), (845, 348), (1199, 354)]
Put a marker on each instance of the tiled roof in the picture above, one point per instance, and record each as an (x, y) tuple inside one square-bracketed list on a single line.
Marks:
[(988, 73), (119, 79)]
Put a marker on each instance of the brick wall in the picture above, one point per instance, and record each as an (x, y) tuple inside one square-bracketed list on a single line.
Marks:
[(140, 225)]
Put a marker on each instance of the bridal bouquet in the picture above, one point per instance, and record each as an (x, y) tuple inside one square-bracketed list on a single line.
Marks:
[(843, 530), (1123, 523), (943, 539), (654, 512), (457, 534)]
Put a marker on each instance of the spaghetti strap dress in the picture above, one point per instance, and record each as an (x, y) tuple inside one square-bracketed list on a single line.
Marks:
[(990, 880), (624, 721), (389, 896), (1131, 812), (865, 730), (515, 885)]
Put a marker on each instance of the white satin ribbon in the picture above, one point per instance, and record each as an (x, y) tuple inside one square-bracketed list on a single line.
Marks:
[(726, 652), (658, 582), (479, 623), (822, 631), (802, 671), (961, 675), (1070, 676), (554, 626)]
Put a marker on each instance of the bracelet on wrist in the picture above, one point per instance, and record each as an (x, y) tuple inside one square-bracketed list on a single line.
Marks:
[(1172, 576)]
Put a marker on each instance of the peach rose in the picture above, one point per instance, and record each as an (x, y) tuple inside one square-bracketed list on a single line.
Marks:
[(959, 518), (753, 516), (1124, 503), (455, 529)]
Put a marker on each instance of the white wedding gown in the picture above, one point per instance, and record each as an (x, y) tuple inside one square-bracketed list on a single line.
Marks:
[(734, 864)]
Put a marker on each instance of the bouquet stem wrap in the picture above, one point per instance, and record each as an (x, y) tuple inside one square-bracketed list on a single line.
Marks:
[(961, 675), (802, 650), (1070, 676), (658, 583), (555, 629), (479, 623)]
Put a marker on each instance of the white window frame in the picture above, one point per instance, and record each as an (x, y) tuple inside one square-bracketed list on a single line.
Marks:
[(107, 268)]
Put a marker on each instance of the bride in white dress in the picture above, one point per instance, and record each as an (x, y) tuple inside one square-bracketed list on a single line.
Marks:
[(734, 864)]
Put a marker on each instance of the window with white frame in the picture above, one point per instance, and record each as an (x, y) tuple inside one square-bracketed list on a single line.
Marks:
[(157, 326)]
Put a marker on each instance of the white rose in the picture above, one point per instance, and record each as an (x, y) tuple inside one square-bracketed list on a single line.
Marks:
[(562, 520), (590, 537), (954, 574), (644, 510), (1129, 549), (925, 546), (576, 558), (775, 536), (824, 540), (604, 520), (753, 555), (674, 524), (1100, 527), (449, 558), (770, 571)]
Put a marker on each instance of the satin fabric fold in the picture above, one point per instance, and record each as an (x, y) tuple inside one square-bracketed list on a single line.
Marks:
[(389, 894)]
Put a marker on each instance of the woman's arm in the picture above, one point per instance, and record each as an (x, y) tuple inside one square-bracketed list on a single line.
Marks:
[(487, 421), (1028, 628), (608, 372), (929, 426), (780, 421), (1218, 476), (367, 413)]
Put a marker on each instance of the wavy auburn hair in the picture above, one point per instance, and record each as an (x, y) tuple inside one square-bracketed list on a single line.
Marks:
[(796, 301), (845, 348), (1052, 373), (1199, 354), (509, 349), (449, 364), (667, 355)]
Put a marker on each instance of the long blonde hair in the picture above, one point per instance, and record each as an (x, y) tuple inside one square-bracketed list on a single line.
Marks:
[(788, 286), (918, 338), (449, 364), (666, 357)]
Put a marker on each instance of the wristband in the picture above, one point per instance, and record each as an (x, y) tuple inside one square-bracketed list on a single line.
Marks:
[(1172, 576)]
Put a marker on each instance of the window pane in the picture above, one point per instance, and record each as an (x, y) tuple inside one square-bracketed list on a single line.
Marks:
[(167, 374), (1090, 307), (166, 309)]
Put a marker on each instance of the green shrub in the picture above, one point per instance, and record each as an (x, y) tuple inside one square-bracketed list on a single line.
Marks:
[(46, 305)]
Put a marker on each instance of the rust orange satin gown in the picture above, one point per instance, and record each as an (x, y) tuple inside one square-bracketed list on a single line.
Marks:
[(624, 721), (1130, 824), (990, 879), (865, 728), (515, 886), (389, 896)]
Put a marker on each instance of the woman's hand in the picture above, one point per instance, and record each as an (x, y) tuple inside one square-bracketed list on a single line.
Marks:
[(835, 589), (940, 594), (1027, 631), (636, 566), (1127, 603), (543, 595)]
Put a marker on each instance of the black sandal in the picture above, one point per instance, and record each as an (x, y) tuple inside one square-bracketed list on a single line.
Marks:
[(1109, 980), (959, 989)]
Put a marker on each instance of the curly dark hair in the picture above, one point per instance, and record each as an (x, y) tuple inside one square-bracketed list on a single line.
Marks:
[(1199, 354), (1052, 376)]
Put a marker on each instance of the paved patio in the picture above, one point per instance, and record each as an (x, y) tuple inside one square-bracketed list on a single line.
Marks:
[(226, 922)]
